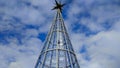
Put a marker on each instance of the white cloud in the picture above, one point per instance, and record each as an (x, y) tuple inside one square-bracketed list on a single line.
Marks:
[(15, 55), (102, 49), (28, 62)]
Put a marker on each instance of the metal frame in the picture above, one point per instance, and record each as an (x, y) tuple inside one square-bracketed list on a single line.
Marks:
[(57, 51)]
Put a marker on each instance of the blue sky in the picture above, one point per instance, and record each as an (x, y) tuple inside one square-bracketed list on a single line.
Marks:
[(93, 26)]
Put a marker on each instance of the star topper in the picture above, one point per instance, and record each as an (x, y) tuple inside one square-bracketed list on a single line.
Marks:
[(58, 6)]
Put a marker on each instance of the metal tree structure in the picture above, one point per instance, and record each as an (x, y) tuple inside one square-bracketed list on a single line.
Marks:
[(57, 51)]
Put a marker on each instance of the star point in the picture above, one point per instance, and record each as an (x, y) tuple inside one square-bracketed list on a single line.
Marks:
[(58, 6)]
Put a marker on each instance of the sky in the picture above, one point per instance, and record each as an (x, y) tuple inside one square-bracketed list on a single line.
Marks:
[(93, 27)]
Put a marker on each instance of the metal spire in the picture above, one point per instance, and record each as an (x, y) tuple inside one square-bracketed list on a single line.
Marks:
[(57, 51)]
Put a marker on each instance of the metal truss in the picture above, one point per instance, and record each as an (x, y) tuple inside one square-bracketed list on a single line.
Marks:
[(57, 51)]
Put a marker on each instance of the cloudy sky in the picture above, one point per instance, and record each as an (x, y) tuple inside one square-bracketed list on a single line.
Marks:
[(94, 29)]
